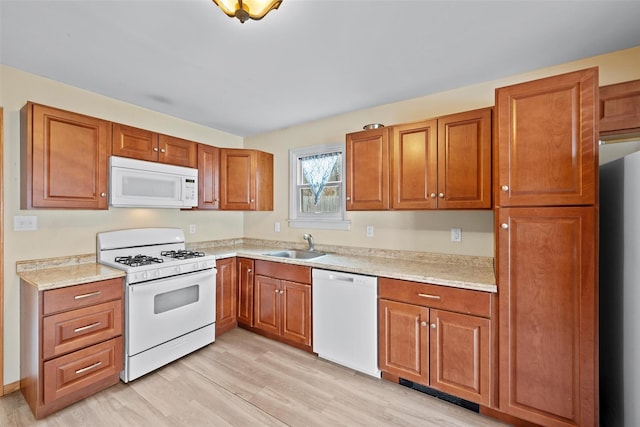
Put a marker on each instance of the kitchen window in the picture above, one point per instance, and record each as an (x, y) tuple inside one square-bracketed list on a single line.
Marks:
[(317, 198)]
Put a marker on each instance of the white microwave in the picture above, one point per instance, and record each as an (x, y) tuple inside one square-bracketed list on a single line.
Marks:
[(142, 184)]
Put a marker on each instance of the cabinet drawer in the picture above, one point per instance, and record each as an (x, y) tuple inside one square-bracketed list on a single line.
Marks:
[(78, 296), (291, 272), (71, 330), (453, 299), (75, 371)]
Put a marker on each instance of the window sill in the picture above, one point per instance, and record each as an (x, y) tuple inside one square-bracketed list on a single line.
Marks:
[(328, 224)]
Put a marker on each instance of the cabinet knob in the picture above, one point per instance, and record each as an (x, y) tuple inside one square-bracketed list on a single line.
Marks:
[(276, 291), (253, 200), (504, 226), (348, 198), (432, 195), (281, 292), (103, 194), (423, 323), (505, 188), (441, 195), (162, 150), (249, 270), (155, 149), (433, 326)]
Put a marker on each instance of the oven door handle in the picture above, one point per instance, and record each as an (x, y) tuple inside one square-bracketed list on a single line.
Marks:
[(172, 283)]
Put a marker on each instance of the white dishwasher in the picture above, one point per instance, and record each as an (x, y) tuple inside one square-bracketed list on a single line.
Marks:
[(345, 319)]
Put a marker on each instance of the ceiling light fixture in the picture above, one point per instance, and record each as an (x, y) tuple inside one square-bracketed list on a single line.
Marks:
[(247, 9)]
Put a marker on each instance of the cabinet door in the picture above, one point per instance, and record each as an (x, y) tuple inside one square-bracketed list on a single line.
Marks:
[(208, 161), (177, 151), (245, 291), (464, 160), (367, 175), (459, 357), (237, 179), (547, 310), (546, 144), (64, 160), (267, 304), (403, 343), (136, 143), (296, 312), (414, 165), (620, 109), (226, 295)]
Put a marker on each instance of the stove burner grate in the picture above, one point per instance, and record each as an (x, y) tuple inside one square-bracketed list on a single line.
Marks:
[(138, 260), (182, 254)]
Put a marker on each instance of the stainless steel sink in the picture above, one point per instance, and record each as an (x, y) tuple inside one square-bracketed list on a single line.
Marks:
[(296, 254)]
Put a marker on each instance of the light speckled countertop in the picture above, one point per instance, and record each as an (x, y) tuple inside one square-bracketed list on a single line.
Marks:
[(467, 272), (59, 277)]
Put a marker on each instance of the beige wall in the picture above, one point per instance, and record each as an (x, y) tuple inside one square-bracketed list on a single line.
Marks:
[(69, 232), (420, 231), (73, 232)]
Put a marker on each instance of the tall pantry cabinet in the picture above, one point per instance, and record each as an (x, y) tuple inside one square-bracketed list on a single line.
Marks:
[(545, 188)]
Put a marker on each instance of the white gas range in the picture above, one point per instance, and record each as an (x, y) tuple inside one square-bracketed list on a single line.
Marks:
[(170, 295)]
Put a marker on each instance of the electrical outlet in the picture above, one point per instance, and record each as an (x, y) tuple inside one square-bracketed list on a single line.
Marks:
[(192, 228), (25, 223), (456, 235), (276, 226), (369, 230)]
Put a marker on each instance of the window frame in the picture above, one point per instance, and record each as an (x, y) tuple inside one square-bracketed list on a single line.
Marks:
[(336, 221)]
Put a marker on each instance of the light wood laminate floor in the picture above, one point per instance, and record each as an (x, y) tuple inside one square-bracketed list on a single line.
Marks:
[(244, 379)]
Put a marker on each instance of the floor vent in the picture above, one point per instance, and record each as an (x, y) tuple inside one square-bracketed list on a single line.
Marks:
[(440, 395)]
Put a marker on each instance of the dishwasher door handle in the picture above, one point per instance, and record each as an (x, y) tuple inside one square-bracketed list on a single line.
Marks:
[(341, 278)]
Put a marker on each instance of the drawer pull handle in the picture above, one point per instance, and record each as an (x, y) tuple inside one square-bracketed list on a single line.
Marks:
[(84, 328), (91, 294), (95, 365), (429, 296)]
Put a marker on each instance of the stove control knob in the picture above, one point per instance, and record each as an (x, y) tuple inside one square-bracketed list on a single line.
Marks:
[(195, 266), (178, 269), (156, 273), (144, 275)]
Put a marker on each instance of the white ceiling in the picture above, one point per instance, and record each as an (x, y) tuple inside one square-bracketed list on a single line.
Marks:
[(307, 60)]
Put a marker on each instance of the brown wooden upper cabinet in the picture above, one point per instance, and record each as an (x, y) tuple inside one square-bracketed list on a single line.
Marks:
[(208, 177), (143, 144), (367, 175), (546, 145), (442, 163), (64, 159), (620, 110), (246, 180)]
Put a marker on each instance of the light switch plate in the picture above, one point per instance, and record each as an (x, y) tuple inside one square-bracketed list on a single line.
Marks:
[(369, 230), (456, 235), (192, 229)]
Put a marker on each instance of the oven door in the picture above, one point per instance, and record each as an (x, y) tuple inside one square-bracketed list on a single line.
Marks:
[(161, 310)]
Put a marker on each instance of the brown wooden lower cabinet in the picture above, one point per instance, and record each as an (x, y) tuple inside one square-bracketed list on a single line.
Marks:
[(282, 302), (71, 343), (548, 314), (245, 291), (226, 295), (422, 341)]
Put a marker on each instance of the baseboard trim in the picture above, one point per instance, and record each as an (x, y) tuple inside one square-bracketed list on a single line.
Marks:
[(10, 388)]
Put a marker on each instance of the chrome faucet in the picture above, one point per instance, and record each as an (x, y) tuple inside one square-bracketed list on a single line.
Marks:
[(309, 238)]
